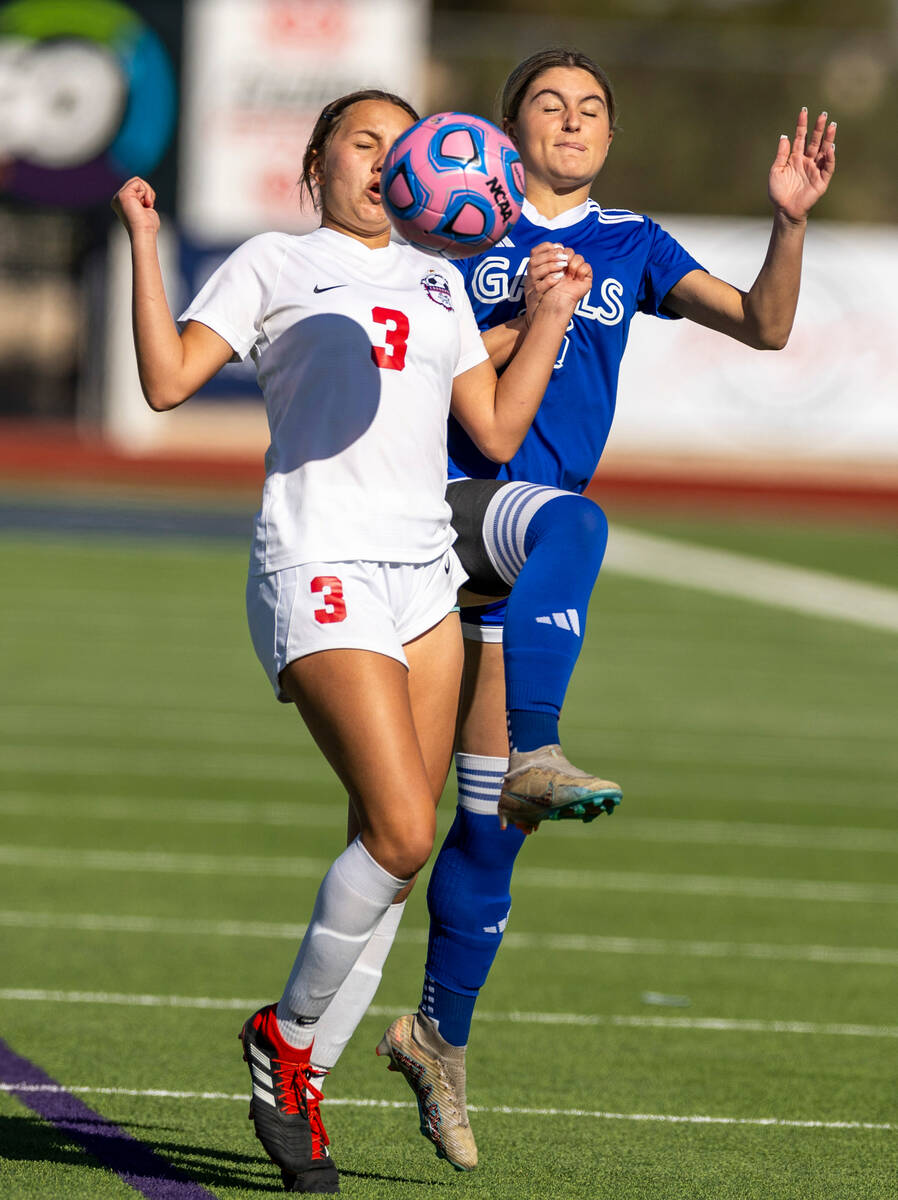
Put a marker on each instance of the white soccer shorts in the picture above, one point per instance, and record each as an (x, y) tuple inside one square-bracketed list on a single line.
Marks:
[(347, 606)]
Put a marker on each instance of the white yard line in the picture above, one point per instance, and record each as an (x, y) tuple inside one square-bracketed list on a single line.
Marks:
[(876, 794), (294, 814), (710, 885), (813, 593), (544, 942), (176, 763), (493, 1110), (837, 892), (702, 1024), (180, 926), (748, 833), (163, 862)]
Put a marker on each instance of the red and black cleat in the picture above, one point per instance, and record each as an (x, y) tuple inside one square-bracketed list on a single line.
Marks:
[(284, 1107)]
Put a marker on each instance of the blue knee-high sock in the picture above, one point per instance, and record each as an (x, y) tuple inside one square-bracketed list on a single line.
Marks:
[(546, 617), (469, 898)]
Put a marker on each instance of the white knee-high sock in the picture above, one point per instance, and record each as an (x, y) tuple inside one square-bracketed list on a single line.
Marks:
[(340, 1019), (351, 902)]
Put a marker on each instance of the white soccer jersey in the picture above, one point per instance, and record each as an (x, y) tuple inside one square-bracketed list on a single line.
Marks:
[(355, 352)]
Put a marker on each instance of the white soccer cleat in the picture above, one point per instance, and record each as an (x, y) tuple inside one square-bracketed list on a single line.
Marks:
[(542, 785), (435, 1071)]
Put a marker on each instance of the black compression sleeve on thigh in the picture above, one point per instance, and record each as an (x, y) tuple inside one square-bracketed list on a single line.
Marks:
[(469, 500)]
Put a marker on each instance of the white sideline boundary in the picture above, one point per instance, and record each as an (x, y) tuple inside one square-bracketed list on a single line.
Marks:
[(701, 1024), (492, 1110), (878, 956), (165, 862), (799, 589)]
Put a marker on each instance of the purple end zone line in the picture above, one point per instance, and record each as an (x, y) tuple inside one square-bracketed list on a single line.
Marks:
[(134, 1162)]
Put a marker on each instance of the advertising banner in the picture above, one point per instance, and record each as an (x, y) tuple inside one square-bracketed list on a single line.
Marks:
[(829, 395), (256, 75)]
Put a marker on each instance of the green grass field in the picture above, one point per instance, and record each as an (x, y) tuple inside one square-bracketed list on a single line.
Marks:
[(166, 823)]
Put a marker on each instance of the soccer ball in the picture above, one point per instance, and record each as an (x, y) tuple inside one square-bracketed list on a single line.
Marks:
[(453, 183)]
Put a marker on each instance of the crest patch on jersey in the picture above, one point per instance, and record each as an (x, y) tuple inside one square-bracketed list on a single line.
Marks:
[(437, 288)]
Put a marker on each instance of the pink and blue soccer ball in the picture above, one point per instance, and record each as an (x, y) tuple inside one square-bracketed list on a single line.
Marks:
[(453, 183)]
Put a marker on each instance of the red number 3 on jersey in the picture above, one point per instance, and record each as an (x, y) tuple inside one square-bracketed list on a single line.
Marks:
[(391, 357), (331, 590)]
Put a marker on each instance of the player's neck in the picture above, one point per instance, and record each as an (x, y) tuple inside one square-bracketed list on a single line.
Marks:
[(550, 202), (374, 241)]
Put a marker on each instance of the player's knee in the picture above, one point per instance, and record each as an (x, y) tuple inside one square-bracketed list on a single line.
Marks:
[(412, 856), (403, 848), (588, 525), (575, 522)]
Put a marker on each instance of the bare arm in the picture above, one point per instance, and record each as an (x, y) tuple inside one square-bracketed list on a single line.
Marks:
[(762, 317), (496, 414), (503, 341), (172, 366)]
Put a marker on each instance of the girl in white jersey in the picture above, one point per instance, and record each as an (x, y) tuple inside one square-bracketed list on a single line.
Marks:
[(362, 346)]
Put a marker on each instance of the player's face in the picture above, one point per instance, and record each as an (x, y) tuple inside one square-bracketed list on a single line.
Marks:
[(563, 130), (350, 173)]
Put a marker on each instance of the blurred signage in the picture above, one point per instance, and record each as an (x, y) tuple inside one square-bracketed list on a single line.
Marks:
[(87, 99), (256, 74), (830, 394)]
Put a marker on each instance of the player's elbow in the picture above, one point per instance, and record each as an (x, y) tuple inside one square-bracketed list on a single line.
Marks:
[(498, 447), (760, 340), (768, 335), (771, 339), (496, 455), (161, 397), (159, 401)]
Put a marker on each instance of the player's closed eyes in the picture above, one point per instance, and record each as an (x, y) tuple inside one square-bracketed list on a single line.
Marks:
[(557, 108)]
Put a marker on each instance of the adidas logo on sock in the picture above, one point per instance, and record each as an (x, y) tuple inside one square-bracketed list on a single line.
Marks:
[(564, 620), (498, 928)]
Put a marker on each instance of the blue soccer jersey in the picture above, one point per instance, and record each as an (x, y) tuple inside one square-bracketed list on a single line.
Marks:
[(634, 265)]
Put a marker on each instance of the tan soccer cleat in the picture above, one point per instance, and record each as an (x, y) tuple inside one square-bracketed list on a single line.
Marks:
[(435, 1071), (541, 785)]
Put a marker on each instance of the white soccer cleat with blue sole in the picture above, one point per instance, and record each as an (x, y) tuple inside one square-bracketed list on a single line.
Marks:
[(541, 785)]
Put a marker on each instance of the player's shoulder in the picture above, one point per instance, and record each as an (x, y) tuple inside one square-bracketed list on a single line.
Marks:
[(267, 243), (609, 219), (263, 250), (588, 223), (618, 231)]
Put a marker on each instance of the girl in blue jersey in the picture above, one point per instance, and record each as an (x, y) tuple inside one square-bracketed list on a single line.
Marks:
[(524, 523)]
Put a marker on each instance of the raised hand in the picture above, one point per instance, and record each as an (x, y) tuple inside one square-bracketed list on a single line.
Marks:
[(575, 281), (133, 204), (547, 265), (802, 170), (555, 268)]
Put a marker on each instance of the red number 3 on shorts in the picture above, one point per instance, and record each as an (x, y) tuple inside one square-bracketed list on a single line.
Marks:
[(331, 590)]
